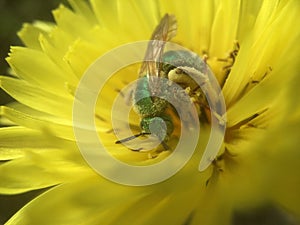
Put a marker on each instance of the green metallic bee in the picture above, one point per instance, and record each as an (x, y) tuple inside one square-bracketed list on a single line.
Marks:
[(157, 64)]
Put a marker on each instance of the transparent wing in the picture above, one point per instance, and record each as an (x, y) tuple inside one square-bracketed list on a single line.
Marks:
[(164, 31)]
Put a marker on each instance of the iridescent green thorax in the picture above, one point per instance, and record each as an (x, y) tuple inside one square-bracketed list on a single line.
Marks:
[(173, 59)]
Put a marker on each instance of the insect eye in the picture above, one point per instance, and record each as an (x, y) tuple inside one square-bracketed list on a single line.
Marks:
[(166, 67)]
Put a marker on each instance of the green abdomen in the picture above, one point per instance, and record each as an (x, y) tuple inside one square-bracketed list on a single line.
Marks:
[(145, 104)]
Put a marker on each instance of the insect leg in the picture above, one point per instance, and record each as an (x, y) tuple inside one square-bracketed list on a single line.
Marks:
[(131, 137)]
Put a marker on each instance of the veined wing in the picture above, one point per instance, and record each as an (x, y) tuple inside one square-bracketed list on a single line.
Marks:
[(165, 31)]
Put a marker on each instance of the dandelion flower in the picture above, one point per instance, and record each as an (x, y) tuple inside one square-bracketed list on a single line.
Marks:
[(251, 47)]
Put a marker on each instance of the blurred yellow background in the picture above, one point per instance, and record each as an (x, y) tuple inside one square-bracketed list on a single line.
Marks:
[(12, 15)]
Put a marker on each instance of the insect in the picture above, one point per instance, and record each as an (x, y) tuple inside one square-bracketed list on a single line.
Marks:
[(171, 65)]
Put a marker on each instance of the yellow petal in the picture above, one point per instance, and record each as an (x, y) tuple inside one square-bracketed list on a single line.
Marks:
[(106, 13), (273, 49), (262, 97), (160, 206), (266, 14), (248, 14), (16, 141), (194, 28), (65, 18), (84, 9), (37, 98), (129, 11), (224, 28), (38, 121), (41, 169), (36, 68), (73, 57), (69, 207), (31, 32)]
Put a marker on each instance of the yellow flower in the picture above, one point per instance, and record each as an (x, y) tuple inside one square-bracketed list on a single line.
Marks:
[(252, 48)]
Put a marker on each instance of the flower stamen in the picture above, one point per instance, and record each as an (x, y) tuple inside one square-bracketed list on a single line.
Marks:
[(232, 56), (219, 164), (252, 82), (269, 70), (230, 60)]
